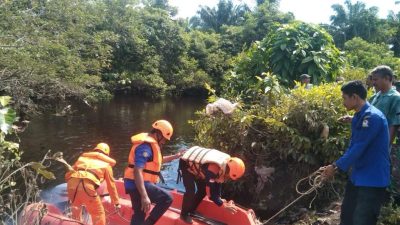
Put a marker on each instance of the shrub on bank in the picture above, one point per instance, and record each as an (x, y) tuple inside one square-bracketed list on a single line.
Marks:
[(287, 139), (18, 180)]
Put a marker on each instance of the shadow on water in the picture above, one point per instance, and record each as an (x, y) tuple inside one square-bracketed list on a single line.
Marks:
[(114, 123)]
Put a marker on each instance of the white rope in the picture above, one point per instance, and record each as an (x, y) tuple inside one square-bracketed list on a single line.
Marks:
[(315, 180), (118, 212)]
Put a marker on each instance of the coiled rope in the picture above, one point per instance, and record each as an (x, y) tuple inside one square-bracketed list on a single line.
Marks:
[(315, 180)]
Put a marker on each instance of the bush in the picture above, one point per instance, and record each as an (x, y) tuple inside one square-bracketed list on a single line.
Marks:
[(288, 134), (390, 215), (288, 52), (366, 55), (18, 180)]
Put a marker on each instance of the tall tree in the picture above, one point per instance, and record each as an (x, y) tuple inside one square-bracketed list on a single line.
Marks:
[(394, 22), (226, 13), (265, 18), (362, 54), (355, 20)]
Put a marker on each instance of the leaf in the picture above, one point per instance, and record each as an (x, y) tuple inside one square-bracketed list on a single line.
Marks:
[(41, 169), (37, 165), (283, 47), (47, 174), (7, 118), (307, 59), (4, 100)]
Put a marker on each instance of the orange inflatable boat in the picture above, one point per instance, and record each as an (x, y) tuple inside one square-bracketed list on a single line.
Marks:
[(208, 212)]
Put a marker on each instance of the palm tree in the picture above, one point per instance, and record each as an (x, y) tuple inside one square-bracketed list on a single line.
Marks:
[(356, 21), (394, 22), (224, 14)]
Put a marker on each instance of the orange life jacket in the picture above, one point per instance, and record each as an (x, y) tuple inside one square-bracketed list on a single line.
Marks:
[(91, 165), (197, 156), (151, 170)]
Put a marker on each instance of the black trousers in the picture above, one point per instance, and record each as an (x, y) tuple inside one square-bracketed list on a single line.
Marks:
[(195, 189), (157, 195), (361, 205)]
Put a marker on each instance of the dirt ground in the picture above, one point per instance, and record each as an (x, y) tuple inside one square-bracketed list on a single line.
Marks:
[(303, 216)]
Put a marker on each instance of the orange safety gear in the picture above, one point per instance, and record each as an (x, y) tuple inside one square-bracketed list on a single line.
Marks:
[(91, 166), (236, 168), (151, 170), (197, 156), (81, 193), (165, 127), (90, 170), (103, 147)]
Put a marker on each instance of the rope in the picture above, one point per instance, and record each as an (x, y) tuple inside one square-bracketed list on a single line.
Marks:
[(116, 211), (315, 180)]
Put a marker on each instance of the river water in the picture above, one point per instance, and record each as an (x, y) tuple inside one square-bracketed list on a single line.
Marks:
[(114, 123)]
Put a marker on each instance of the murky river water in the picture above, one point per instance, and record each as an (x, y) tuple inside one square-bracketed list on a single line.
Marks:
[(114, 123)]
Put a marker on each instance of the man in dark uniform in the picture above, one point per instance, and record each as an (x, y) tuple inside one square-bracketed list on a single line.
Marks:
[(367, 157)]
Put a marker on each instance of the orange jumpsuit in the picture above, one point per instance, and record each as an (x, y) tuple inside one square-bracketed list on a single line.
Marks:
[(91, 169)]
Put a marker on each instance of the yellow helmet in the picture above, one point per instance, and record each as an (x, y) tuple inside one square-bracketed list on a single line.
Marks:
[(236, 168), (103, 147), (165, 127)]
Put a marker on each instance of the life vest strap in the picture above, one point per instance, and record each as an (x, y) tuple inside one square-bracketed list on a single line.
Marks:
[(93, 173), (193, 164), (150, 172)]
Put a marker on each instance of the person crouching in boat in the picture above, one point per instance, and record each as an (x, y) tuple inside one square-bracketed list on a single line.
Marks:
[(201, 167), (90, 170), (143, 172)]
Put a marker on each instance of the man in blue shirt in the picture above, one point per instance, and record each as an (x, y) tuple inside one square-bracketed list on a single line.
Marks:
[(366, 159), (143, 172)]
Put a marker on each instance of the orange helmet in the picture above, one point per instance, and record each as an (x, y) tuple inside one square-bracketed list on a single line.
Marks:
[(165, 127), (103, 147), (236, 168)]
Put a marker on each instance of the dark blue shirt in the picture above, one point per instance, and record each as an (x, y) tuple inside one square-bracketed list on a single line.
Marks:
[(368, 152), (215, 188), (143, 154)]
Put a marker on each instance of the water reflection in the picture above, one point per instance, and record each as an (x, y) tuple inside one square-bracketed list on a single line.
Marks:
[(114, 123)]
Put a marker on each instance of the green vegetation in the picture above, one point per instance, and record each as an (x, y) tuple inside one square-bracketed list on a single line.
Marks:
[(55, 52), (18, 180), (292, 131), (363, 54), (291, 50), (52, 52)]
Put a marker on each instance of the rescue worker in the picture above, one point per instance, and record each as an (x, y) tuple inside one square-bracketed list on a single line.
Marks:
[(143, 172), (201, 167), (90, 170)]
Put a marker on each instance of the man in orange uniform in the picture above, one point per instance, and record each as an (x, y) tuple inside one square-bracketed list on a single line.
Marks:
[(201, 167), (145, 160), (90, 170)]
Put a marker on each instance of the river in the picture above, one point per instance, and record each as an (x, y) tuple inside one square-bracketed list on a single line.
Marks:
[(113, 122)]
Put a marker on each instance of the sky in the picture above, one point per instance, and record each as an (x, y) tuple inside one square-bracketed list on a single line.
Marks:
[(311, 11)]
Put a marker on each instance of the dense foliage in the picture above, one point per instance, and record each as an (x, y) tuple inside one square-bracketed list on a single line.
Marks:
[(293, 133), (55, 51), (288, 52), (356, 20), (366, 55), (52, 52), (18, 180)]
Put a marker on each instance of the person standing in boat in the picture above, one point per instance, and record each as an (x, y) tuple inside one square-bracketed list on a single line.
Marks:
[(201, 167), (143, 172), (90, 170)]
